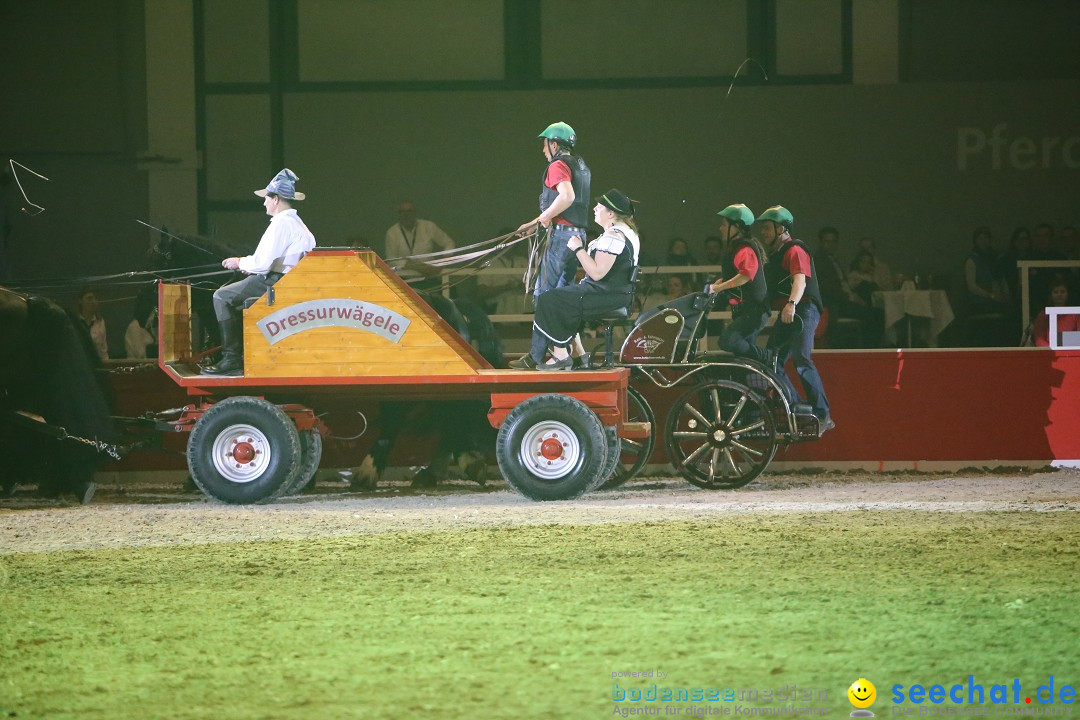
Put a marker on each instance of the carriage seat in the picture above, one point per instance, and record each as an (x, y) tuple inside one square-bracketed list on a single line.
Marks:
[(619, 317)]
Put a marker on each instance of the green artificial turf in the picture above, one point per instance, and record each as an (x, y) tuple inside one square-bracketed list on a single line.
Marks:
[(532, 622)]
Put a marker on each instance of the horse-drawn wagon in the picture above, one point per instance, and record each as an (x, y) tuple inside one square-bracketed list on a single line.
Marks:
[(342, 326)]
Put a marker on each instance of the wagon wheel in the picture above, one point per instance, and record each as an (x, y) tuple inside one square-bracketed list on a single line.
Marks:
[(244, 450), (311, 446), (635, 451), (551, 447), (720, 435)]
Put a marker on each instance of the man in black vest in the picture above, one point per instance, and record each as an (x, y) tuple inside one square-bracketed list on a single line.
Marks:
[(564, 211), (790, 272), (744, 264)]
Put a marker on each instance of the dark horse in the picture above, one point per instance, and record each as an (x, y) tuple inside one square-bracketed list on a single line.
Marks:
[(47, 382), (462, 428)]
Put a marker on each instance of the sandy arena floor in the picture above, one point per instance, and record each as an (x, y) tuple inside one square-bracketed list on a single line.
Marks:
[(148, 514)]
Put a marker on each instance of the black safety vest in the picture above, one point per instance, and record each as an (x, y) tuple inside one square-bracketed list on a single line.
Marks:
[(780, 280), (754, 291), (580, 178)]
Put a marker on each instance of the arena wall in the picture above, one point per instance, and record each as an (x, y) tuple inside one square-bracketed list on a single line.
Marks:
[(894, 409)]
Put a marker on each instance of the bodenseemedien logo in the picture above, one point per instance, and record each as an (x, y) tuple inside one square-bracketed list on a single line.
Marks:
[(862, 695)]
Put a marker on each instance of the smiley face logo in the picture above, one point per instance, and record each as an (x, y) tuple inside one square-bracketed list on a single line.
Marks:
[(862, 693)]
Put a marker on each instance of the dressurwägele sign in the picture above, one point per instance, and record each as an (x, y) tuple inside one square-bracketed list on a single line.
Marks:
[(333, 312)]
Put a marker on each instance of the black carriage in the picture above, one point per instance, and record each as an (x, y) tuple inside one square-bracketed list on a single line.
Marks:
[(730, 415)]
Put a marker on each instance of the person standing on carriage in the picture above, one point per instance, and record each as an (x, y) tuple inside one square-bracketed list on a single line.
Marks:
[(284, 243), (564, 212), (790, 272), (609, 263), (744, 264)]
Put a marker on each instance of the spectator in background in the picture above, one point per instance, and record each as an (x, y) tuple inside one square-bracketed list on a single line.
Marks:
[(986, 289), (411, 236), (1019, 249), (862, 277), (140, 338), (839, 299), (1042, 244), (1043, 247), (86, 310), (713, 251), (678, 253), (1069, 243), (883, 275), (831, 280), (1059, 297), (675, 287)]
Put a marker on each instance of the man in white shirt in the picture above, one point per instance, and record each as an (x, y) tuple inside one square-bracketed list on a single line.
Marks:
[(284, 243), (411, 236)]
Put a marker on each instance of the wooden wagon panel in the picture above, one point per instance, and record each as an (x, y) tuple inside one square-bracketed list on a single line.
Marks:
[(427, 346)]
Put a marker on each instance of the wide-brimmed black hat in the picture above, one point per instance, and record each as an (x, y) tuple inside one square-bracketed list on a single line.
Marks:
[(617, 201)]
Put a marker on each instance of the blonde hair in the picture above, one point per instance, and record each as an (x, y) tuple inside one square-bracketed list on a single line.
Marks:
[(627, 220)]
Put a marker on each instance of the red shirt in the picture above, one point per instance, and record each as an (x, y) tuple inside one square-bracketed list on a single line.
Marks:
[(558, 172), (746, 263), (797, 261), (1041, 332)]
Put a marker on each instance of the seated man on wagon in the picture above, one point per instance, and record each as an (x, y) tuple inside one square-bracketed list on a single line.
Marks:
[(284, 243)]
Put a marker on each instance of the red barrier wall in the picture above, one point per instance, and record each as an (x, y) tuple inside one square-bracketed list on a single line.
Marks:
[(954, 406)]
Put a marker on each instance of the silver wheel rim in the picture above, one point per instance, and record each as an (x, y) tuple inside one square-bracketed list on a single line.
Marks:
[(241, 453), (537, 450)]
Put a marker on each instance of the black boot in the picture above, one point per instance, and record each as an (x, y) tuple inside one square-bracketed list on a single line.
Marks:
[(232, 358)]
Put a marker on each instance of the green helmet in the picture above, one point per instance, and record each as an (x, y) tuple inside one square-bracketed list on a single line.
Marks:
[(738, 214), (561, 133), (779, 215)]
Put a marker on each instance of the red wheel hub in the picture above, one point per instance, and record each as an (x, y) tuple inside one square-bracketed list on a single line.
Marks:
[(551, 449), (243, 452)]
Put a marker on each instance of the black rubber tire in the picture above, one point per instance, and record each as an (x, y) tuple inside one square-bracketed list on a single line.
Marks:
[(611, 460), (720, 423), (530, 426), (634, 453), (265, 430), (311, 447)]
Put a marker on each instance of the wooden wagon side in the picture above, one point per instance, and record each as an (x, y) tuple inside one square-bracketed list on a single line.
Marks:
[(343, 324)]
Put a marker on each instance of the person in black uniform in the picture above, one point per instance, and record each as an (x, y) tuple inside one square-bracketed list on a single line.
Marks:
[(564, 211), (608, 262), (744, 263), (790, 272)]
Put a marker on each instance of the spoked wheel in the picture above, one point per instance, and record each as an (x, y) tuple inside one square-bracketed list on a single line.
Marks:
[(720, 435), (552, 447), (244, 450), (635, 451), (311, 446)]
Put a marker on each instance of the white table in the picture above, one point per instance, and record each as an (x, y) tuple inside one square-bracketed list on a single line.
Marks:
[(931, 305)]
